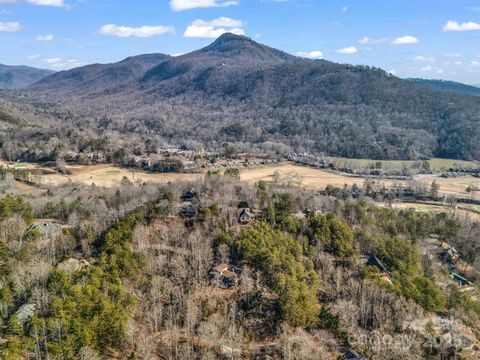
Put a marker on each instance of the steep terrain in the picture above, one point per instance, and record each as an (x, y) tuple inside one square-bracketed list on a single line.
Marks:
[(236, 90), (99, 77), (19, 77)]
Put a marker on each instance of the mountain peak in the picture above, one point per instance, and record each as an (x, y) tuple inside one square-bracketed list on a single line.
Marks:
[(230, 44)]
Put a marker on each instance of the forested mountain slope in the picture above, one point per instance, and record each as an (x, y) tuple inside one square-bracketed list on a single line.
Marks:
[(98, 77), (451, 86), (236, 90), (18, 77)]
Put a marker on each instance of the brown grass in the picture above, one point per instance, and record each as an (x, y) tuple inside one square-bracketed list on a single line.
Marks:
[(284, 174)]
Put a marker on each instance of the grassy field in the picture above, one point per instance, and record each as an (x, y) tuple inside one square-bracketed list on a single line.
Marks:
[(284, 174), (463, 212), (436, 164)]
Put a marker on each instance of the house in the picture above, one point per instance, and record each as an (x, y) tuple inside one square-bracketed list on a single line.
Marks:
[(226, 275), (245, 216), (188, 210), (189, 195), (384, 273), (44, 230), (25, 312), (312, 212), (374, 261), (352, 355), (72, 265), (460, 280), (449, 253)]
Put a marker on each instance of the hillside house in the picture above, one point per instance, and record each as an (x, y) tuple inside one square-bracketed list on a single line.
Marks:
[(384, 273), (189, 195), (353, 355), (72, 265), (460, 280), (245, 216), (44, 230), (188, 210), (225, 275), (312, 212), (449, 253)]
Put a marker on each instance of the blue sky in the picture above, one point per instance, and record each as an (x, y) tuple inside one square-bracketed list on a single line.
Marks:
[(410, 38)]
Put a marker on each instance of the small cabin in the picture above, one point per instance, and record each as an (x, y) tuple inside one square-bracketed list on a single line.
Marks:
[(72, 265), (189, 195), (245, 216), (384, 273), (188, 211), (353, 355), (449, 253), (226, 275), (374, 261), (46, 230)]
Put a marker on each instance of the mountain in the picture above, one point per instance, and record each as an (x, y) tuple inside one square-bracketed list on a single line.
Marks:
[(99, 77), (451, 86), (262, 99), (19, 77)]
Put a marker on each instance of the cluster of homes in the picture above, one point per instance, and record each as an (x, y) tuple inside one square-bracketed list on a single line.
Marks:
[(456, 172), (247, 163), (84, 158), (310, 160)]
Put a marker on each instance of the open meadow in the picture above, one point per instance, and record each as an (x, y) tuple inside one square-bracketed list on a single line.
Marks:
[(282, 174)]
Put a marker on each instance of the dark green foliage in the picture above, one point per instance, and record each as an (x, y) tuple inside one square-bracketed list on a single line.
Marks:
[(332, 233), (92, 307), (328, 320), (279, 256), (10, 205), (280, 211)]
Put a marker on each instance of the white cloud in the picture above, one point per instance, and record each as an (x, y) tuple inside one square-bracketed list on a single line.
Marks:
[(9, 26), (213, 29), (422, 58), (46, 2), (452, 55), (347, 51), (466, 26), (431, 69), (366, 41), (56, 3), (180, 5), (48, 37), (4, 12), (36, 56), (310, 54), (344, 8), (143, 31), (404, 40), (58, 63)]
